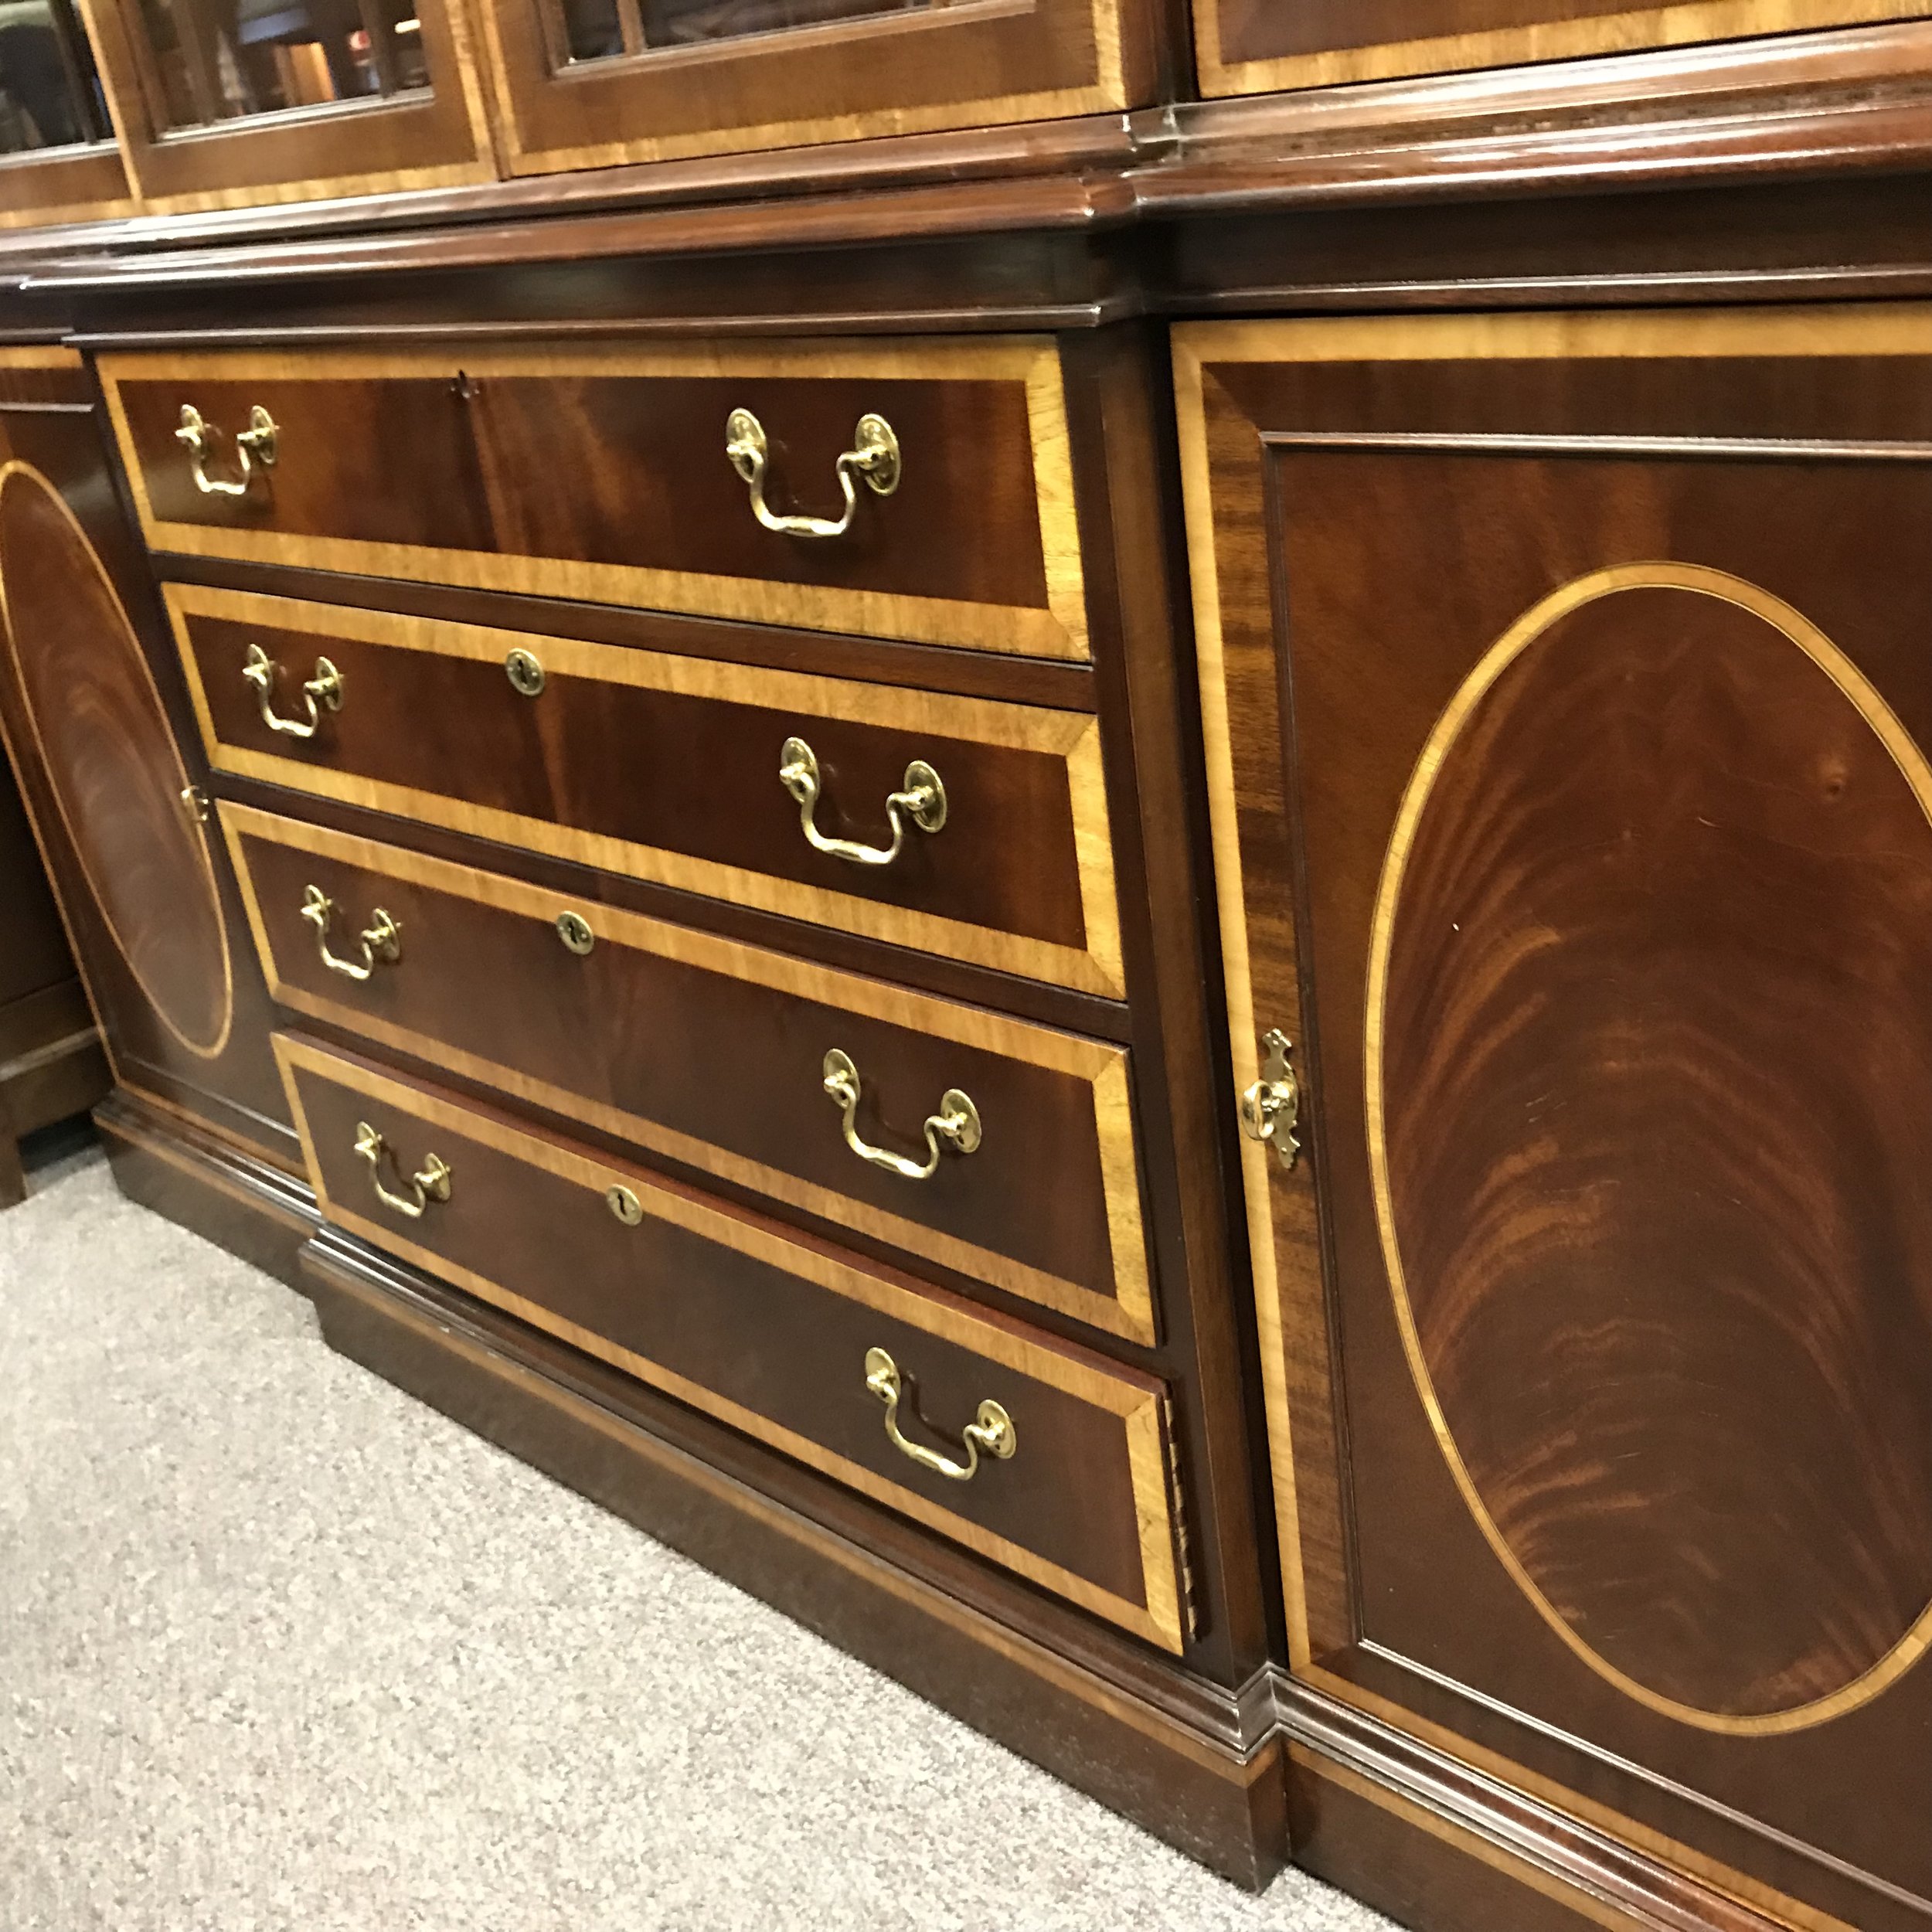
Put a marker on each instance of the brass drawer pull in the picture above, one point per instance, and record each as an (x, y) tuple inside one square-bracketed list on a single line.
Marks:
[(874, 455), (430, 1183), (994, 1432), (253, 445), (923, 801), (956, 1124), (322, 692), (381, 939), (1271, 1108)]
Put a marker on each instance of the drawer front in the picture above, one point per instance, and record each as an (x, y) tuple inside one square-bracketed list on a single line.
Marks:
[(607, 476), (713, 1054), (669, 769), (767, 1332)]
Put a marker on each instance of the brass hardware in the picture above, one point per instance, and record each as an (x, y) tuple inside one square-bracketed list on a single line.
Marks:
[(574, 929), (525, 674), (923, 801), (430, 1182), (381, 940), (194, 801), (323, 691), (253, 445), (956, 1124), (625, 1205), (874, 455), (993, 1432), (1271, 1108)]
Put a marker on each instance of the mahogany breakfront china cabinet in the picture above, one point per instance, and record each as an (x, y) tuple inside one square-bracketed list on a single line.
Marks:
[(1101, 834)]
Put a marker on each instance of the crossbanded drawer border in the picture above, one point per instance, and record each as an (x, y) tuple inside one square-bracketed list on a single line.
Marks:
[(1073, 737), (1127, 1313), (1139, 1402), (1058, 631)]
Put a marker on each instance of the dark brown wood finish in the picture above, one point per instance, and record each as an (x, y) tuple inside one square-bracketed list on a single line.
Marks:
[(50, 1061), (606, 475), (1633, 1136), (712, 1053), (671, 1296), (148, 900)]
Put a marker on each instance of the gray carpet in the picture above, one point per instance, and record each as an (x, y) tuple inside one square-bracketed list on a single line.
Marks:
[(281, 1648)]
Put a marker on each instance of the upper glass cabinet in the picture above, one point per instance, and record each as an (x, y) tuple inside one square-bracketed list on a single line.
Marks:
[(57, 155), (226, 102), (1255, 46), (586, 83)]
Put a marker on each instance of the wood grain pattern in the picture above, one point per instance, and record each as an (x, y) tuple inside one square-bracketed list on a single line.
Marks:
[(1251, 46), (708, 1052), (1373, 504), (101, 736), (526, 1228), (634, 501), (1598, 902), (1021, 877)]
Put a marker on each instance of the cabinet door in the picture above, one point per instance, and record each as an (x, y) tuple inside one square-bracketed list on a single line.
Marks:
[(1251, 46), (591, 83), (58, 160), (221, 103), (1566, 683), (146, 889)]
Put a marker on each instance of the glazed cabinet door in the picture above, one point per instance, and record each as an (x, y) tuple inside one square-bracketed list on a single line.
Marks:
[(144, 887), (224, 103), (1567, 689), (1253, 46), (591, 83), (58, 160)]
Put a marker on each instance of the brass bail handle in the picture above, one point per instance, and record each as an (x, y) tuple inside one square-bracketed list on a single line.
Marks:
[(1271, 1108), (323, 691), (955, 1126), (254, 445), (993, 1431), (430, 1182), (874, 455), (381, 940), (922, 803)]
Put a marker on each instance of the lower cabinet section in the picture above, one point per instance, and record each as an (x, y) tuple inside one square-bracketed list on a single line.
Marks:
[(1036, 1455)]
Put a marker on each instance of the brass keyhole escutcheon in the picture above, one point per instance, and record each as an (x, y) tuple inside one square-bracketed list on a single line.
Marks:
[(574, 929), (525, 672), (625, 1205)]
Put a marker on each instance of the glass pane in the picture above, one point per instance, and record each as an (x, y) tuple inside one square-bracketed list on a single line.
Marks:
[(596, 29), (49, 95), (212, 60)]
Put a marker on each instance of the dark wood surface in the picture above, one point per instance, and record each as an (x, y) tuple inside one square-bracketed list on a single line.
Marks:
[(619, 470), (708, 1052), (147, 901), (672, 774), (675, 1303), (1643, 1061)]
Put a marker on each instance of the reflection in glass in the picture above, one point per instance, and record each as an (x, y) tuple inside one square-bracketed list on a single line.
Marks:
[(49, 95), (599, 29), (214, 60)]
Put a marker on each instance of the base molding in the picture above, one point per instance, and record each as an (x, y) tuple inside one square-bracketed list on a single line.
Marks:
[(191, 1175), (50, 1080)]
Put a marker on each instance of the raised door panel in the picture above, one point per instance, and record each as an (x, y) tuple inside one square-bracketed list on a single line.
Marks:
[(1252, 46), (145, 889), (585, 83), (1565, 694)]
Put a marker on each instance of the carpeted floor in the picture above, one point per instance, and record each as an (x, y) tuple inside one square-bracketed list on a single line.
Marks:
[(281, 1648)]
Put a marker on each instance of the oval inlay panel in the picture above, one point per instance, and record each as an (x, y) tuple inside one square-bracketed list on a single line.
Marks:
[(111, 760), (1650, 1119)]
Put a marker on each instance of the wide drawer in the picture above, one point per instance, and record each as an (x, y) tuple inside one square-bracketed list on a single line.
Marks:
[(606, 474), (714, 1053), (792, 1342), (669, 768)]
